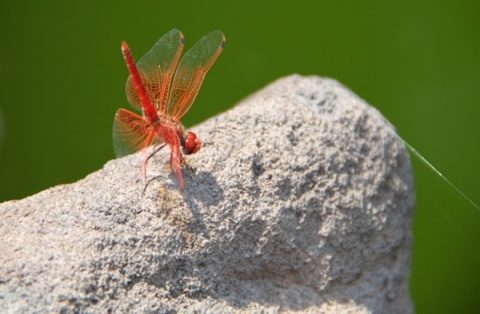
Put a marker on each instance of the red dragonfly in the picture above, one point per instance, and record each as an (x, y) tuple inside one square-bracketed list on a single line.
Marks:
[(164, 88)]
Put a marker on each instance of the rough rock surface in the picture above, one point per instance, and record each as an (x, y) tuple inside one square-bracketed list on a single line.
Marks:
[(301, 200)]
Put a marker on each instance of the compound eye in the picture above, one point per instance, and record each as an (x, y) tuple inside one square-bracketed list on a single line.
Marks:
[(192, 144)]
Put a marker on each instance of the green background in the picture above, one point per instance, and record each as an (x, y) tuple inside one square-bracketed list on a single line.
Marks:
[(62, 78)]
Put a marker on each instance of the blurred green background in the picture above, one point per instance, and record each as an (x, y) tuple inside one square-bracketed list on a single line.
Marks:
[(62, 78)]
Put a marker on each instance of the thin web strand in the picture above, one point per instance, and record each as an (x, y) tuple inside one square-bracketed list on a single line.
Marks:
[(426, 162)]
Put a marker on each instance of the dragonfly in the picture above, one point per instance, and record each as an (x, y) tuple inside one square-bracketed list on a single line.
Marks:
[(163, 87)]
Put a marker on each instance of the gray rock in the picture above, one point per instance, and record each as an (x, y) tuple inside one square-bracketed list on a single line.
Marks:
[(301, 200)]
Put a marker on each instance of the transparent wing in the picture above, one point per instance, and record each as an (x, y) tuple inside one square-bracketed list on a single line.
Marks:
[(191, 71), (156, 70), (131, 133)]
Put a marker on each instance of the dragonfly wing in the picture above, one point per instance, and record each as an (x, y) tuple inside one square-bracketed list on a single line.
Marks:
[(191, 71), (131, 133), (156, 70)]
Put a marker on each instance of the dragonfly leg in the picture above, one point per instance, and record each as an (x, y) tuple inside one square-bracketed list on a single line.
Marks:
[(145, 161)]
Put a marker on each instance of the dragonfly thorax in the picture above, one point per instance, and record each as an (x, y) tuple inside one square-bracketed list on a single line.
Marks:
[(168, 126), (170, 122)]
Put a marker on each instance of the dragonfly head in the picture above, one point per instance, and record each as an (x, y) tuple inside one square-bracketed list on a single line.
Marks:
[(192, 144)]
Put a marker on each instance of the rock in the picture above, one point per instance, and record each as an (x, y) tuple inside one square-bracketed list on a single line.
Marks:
[(301, 200)]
